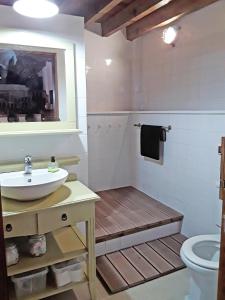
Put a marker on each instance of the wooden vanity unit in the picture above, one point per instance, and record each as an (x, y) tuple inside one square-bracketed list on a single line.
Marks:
[(56, 216)]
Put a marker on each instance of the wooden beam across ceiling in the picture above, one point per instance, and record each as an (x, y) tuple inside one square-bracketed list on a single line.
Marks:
[(100, 8), (137, 16), (170, 11), (135, 11)]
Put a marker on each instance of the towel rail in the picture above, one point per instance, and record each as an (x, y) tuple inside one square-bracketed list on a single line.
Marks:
[(168, 128)]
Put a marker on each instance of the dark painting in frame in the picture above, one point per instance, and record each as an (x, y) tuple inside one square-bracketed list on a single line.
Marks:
[(28, 85)]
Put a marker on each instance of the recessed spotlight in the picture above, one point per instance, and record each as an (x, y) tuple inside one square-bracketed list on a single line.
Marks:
[(36, 8), (108, 62), (170, 35)]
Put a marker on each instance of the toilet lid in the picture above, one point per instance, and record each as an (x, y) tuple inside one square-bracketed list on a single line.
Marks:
[(189, 252)]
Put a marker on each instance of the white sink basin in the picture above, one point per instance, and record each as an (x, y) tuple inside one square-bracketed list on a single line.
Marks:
[(18, 186)]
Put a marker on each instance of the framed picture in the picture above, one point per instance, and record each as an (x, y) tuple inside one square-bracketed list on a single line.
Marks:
[(37, 83), (28, 85)]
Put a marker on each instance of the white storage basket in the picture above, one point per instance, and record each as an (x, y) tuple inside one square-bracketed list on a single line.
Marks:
[(68, 272), (30, 282)]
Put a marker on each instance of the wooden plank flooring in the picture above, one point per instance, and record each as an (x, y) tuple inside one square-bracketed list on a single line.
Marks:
[(180, 238), (166, 253), (140, 263), (172, 244), (127, 271), (126, 210), (132, 266), (112, 278), (154, 258)]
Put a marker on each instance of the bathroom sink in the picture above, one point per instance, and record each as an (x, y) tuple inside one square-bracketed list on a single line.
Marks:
[(25, 187)]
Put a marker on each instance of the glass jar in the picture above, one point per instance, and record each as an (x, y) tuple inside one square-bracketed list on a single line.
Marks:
[(37, 245), (12, 254)]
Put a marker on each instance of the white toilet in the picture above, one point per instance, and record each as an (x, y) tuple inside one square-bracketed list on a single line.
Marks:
[(201, 256)]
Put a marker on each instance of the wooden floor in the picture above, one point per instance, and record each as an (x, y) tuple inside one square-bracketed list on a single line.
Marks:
[(126, 210), (123, 269)]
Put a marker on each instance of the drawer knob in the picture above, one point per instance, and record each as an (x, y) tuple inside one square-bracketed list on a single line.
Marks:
[(64, 217), (8, 228)]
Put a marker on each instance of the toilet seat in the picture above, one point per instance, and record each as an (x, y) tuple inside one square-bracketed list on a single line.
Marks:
[(188, 251)]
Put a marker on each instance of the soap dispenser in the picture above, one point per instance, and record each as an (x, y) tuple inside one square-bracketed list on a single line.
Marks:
[(53, 165)]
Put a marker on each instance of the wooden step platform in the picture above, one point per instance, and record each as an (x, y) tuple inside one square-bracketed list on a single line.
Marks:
[(123, 269), (126, 210)]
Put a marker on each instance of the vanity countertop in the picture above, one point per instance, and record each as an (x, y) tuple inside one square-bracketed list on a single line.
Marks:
[(70, 193)]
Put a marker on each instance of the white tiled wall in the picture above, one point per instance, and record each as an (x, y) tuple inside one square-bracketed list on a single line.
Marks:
[(190, 76), (109, 151), (189, 177)]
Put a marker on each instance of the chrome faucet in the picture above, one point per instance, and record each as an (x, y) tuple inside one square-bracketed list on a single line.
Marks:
[(28, 164)]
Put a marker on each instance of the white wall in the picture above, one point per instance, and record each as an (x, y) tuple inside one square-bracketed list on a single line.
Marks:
[(190, 76), (189, 177), (109, 151), (15, 148), (108, 87)]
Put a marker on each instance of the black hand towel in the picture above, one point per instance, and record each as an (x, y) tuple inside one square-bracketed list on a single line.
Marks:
[(150, 140)]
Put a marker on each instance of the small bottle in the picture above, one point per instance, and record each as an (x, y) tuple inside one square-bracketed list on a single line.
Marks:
[(53, 165)]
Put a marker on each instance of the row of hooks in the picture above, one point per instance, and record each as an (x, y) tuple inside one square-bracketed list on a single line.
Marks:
[(168, 128), (108, 126)]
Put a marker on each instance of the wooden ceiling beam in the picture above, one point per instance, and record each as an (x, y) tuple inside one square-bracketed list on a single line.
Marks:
[(170, 11), (100, 8), (135, 11)]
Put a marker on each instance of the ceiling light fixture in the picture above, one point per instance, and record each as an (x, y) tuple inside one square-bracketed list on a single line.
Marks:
[(170, 35), (36, 8)]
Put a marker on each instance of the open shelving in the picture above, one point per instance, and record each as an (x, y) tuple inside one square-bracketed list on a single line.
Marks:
[(50, 290), (62, 245)]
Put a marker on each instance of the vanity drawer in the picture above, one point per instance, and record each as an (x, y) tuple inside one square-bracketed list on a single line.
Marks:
[(15, 226), (59, 217)]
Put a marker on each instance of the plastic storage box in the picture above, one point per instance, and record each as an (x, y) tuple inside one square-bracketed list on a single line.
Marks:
[(68, 272), (30, 282)]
